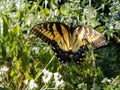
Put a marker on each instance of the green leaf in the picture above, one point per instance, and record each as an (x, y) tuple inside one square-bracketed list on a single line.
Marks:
[(20, 15), (5, 25)]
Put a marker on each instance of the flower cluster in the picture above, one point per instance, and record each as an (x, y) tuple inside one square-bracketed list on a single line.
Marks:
[(106, 80), (31, 84), (58, 80), (3, 70), (47, 75)]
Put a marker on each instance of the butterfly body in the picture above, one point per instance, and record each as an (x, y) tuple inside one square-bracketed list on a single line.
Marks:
[(68, 43)]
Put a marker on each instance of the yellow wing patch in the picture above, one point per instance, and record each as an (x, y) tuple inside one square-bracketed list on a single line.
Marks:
[(53, 31)]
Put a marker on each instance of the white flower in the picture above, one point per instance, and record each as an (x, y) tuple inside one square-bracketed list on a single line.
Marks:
[(32, 84), (57, 76), (82, 85), (58, 80), (106, 80), (35, 49), (45, 71), (60, 83), (20, 5), (25, 82), (3, 70), (47, 76)]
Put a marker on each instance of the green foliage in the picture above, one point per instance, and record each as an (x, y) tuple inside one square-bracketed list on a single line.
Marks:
[(27, 57)]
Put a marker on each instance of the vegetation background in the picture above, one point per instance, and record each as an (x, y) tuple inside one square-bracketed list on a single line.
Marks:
[(26, 61)]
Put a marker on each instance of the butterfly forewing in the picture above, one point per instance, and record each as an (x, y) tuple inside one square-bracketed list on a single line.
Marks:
[(53, 32)]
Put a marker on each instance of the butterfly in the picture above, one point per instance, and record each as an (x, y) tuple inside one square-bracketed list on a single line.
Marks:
[(68, 43)]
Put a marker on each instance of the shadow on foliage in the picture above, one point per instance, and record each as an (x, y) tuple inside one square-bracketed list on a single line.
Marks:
[(110, 62)]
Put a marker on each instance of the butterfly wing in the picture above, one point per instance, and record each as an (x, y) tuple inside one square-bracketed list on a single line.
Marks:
[(57, 35), (81, 35), (53, 31)]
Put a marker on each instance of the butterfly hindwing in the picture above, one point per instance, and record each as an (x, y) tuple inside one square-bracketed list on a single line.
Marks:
[(94, 38), (81, 35)]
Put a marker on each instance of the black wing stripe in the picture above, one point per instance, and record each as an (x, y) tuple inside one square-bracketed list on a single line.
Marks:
[(59, 29), (78, 32), (76, 38), (36, 31), (51, 29)]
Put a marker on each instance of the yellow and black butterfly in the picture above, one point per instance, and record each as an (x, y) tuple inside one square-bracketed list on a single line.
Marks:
[(68, 43)]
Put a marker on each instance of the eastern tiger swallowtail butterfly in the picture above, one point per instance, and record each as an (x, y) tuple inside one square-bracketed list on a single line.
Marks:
[(68, 44)]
